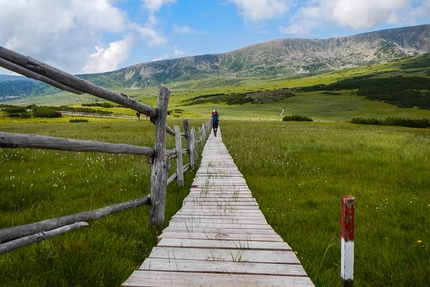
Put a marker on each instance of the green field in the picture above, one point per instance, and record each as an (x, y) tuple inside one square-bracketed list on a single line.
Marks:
[(297, 172), (42, 184)]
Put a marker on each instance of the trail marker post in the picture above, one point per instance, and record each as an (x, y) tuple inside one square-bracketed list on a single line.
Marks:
[(347, 246)]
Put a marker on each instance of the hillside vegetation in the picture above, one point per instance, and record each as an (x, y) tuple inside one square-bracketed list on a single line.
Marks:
[(286, 58)]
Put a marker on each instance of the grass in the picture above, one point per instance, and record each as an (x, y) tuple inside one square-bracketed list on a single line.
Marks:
[(298, 172), (42, 184)]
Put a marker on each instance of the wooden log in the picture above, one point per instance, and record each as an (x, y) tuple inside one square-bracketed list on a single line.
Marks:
[(29, 74), (34, 238), (11, 140), (11, 233), (186, 167), (161, 164), (194, 145), (74, 81), (37, 69), (179, 161), (189, 143), (172, 178)]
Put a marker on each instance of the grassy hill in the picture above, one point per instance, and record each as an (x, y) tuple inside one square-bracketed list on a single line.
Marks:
[(396, 89)]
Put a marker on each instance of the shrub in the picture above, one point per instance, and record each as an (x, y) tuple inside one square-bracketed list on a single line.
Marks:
[(25, 115), (104, 105), (78, 121), (15, 110), (297, 118), (416, 123), (46, 112), (361, 121)]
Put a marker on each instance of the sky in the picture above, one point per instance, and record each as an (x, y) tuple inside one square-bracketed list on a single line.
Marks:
[(92, 36)]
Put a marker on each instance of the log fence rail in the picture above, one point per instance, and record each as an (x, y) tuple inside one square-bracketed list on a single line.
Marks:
[(18, 236)]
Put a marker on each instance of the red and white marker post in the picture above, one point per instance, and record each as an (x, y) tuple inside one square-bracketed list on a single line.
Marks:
[(347, 247)]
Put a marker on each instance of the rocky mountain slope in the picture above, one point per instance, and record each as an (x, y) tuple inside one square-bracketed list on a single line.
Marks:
[(283, 57)]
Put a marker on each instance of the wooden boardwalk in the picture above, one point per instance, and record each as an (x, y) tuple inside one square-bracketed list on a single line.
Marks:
[(219, 237)]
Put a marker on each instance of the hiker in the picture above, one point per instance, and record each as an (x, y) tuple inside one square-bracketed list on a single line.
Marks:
[(215, 120)]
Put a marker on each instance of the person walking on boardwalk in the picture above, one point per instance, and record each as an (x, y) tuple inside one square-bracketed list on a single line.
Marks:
[(215, 120)]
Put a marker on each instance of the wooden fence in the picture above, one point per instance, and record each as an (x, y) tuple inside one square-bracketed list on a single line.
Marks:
[(15, 237)]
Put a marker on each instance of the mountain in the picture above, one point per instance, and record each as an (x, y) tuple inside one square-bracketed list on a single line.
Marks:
[(283, 57), (4, 78)]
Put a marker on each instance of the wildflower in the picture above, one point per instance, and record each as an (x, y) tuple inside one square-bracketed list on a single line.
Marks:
[(419, 241)]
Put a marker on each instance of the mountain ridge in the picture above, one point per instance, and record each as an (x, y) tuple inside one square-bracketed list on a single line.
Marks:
[(277, 58)]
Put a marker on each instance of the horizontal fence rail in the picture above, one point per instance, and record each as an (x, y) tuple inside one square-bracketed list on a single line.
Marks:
[(15, 237), (11, 140), (32, 68)]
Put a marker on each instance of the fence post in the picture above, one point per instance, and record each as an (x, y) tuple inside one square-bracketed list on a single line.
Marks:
[(347, 248), (193, 147), (179, 161), (190, 149), (161, 162)]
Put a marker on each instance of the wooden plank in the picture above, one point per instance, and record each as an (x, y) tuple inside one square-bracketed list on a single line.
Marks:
[(218, 220), (193, 279), (260, 256), (194, 226), (208, 266), (196, 210), (220, 230), (239, 244), (221, 236)]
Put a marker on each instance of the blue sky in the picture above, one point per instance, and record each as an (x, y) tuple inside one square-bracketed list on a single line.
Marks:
[(89, 36)]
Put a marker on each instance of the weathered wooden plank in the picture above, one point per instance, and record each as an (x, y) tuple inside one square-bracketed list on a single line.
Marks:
[(245, 245), (221, 255), (189, 212), (215, 220), (192, 226), (227, 229), (208, 266), (221, 236), (193, 279)]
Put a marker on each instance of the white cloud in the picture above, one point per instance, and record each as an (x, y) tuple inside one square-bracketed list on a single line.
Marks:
[(362, 14), (260, 10), (296, 29), (64, 33), (358, 15), (108, 59), (176, 54), (185, 30), (155, 5)]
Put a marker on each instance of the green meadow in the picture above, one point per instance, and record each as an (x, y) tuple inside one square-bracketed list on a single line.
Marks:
[(42, 184), (297, 171)]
